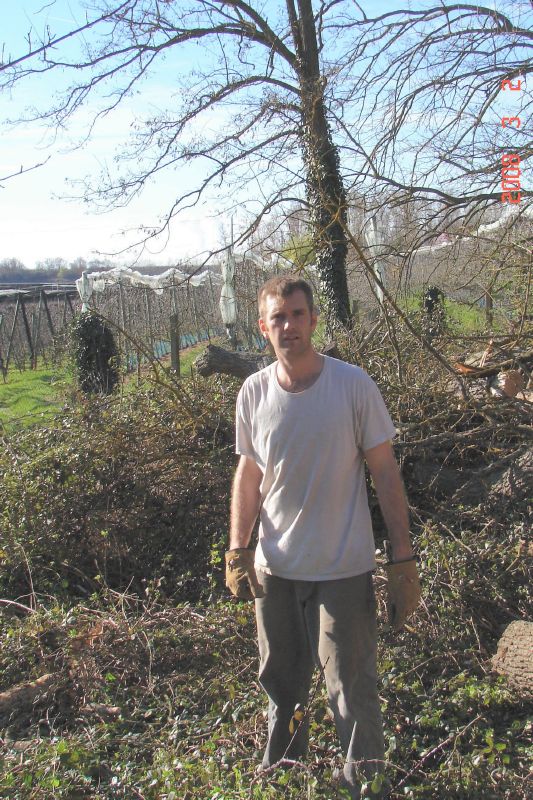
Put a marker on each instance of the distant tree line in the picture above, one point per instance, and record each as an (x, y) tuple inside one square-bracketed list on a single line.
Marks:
[(49, 270), (59, 270)]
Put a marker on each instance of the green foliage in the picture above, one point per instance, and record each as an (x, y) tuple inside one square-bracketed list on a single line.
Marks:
[(299, 252), (123, 492), (454, 317), (187, 719), (95, 354)]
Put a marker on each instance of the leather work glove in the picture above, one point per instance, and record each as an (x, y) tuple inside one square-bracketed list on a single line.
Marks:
[(403, 589), (241, 578)]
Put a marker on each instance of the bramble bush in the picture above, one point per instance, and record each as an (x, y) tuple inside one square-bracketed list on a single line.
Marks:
[(119, 491)]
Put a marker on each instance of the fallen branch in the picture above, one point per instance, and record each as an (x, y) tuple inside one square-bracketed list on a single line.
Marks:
[(474, 373), (20, 606), (283, 762)]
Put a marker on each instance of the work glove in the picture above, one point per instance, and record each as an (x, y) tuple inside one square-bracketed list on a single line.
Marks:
[(241, 578), (403, 590)]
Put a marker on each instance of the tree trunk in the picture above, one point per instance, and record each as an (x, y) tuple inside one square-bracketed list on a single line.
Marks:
[(324, 187)]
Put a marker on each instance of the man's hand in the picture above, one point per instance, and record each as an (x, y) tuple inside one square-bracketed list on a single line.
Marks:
[(241, 578), (403, 588)]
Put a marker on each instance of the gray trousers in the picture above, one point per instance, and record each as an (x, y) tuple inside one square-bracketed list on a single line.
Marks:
[(332, 623)]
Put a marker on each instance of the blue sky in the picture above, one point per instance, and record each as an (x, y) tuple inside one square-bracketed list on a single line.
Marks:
[(36, 219)]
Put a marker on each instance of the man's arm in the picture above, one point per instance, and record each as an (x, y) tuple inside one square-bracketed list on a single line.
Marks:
[(403, 586), (392, 501), (245, 502)]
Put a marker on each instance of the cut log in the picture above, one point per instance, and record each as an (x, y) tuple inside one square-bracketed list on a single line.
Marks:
[(23, 696), (215, 359), (514, 656)]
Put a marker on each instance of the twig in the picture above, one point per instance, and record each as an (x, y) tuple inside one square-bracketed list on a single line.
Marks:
[(452, 737), (32, 590), (422, 340), (283, 762)]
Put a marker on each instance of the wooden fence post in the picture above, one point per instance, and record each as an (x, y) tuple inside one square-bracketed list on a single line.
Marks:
[(47, 312), (36, 330), (26, 327)]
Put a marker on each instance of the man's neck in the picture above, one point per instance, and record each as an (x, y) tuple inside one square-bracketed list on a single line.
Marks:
[(298, 374)]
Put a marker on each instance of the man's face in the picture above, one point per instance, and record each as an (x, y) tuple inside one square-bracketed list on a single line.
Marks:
[(288, 323)]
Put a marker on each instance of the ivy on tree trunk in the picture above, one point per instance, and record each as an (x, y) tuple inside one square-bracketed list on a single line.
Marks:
[(324, 186)]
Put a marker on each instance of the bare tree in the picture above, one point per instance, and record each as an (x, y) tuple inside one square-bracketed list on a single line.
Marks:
[(410, 100), (441, 98), (269, 69)]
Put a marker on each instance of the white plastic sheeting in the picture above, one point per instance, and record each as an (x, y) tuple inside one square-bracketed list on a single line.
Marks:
[(228, 301), (98, 281)]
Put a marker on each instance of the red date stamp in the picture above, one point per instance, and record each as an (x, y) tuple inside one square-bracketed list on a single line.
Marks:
[(510, 169)]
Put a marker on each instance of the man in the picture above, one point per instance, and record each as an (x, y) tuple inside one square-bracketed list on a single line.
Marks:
[(305, 424)]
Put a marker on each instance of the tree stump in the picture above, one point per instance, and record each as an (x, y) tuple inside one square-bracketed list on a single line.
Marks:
[(514, 656)]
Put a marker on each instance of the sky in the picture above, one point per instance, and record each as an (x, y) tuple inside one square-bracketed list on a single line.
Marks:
[(37, 220)]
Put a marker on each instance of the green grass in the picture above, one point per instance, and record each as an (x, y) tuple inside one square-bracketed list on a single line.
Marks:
[(34, 395), (27, 396), (466, 318), (462, 317)]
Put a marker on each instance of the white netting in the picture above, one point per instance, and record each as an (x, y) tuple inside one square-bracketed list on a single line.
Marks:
[(98, 281)]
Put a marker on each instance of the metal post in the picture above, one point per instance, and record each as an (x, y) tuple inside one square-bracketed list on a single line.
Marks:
[(175, 344), (149, 319)]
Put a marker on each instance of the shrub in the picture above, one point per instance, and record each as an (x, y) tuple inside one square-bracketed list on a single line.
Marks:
[(95, 354), (140, 498)]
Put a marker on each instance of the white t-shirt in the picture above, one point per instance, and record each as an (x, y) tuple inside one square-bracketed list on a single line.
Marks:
[(314, 518)]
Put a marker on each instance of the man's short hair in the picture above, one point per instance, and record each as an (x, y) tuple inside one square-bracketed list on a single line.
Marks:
[(283, 286)]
